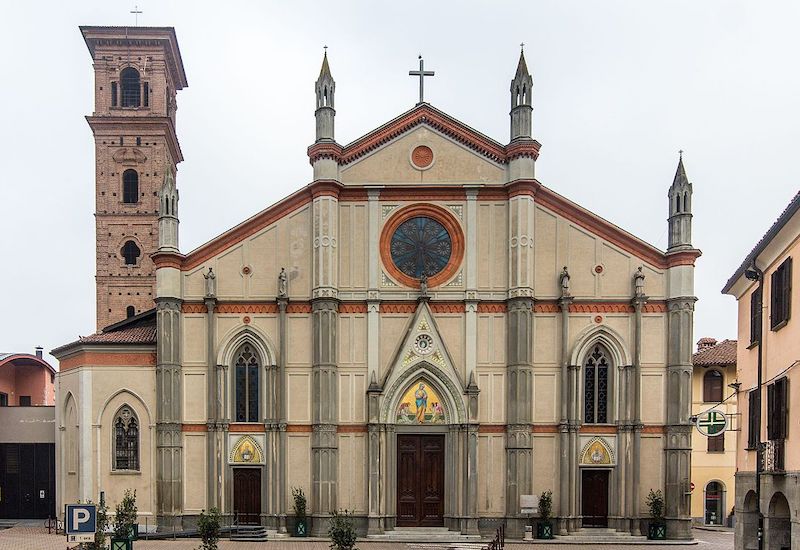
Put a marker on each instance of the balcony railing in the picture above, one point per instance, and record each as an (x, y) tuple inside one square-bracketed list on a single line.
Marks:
[(772, 455)]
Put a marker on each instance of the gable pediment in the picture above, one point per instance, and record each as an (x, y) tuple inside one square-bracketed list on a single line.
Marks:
[(464, 139), (444, 161)]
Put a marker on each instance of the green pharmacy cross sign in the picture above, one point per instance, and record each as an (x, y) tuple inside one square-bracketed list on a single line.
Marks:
[(711, 423)]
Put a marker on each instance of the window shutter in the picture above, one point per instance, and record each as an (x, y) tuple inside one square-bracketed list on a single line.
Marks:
[(752, 432), (771, 417), (787, 289)]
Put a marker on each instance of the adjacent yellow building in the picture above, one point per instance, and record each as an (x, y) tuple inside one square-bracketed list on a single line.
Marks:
[(714, 458)]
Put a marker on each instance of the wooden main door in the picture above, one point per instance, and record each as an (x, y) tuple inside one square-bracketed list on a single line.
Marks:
[(247, 495), (420, 480), (594, 498)]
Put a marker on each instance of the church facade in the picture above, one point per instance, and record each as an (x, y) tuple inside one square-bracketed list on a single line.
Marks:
[(421, 335)]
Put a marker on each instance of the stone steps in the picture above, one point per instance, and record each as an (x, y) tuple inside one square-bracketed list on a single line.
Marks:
[(249, 533), (600, 535), (427, 535)]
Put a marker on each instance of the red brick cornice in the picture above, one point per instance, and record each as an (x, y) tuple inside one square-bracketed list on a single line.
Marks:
[(523, 148), (168, 259), (684, 257), (325, 150), (523, 187)]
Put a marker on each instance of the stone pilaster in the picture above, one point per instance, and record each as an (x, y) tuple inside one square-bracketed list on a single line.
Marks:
[(519, 380), (280, 398), (678, 447), (563, 425), (169, 439), (635, 393), (212, 407), (325, 399)]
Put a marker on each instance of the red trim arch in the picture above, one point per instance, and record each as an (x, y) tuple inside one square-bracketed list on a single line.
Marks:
[(440, 215)]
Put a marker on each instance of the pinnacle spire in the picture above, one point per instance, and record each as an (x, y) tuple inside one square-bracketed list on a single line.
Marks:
[(522, 67), (680, 173), (325, 70)]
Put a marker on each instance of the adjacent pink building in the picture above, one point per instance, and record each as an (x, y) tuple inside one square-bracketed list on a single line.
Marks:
[(26, 380)]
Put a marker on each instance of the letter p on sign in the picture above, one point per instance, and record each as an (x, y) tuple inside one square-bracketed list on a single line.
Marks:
[(80, 515)]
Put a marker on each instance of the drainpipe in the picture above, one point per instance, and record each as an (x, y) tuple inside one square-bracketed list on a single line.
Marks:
[(755, 274)]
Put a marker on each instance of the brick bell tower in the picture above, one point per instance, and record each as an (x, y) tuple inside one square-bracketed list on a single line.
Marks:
[(138, 71)]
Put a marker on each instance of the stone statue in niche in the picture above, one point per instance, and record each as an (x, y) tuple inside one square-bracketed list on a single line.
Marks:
[(564, 281), (211, 283), (638, 283), (283, 284)]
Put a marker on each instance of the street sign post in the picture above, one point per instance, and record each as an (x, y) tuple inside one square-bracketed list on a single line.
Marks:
[(712, 423), (80, 522)]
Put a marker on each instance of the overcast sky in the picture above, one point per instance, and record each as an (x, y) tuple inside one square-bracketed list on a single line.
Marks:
[(619, 88)]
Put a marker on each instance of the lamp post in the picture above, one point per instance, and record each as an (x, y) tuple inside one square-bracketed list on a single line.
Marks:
[(755, 274)]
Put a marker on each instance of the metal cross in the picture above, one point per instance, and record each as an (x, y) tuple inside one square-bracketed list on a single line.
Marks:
[(421, 73), (680, 153), (136, 11)]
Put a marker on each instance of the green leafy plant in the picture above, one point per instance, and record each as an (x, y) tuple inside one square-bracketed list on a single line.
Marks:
[(342, 531), (545, 505), (655, 501), (102, 524), (299, 502), (125, 515), (208, 526)]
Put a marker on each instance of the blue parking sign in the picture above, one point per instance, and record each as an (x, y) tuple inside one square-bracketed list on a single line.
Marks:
[(80, 522)]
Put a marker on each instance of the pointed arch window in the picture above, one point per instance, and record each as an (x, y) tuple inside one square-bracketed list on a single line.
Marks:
[(595, 387), (131, 87), (126, 440), (247, 372)]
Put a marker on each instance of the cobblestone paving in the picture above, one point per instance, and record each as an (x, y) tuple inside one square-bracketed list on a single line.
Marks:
[(36, 538)]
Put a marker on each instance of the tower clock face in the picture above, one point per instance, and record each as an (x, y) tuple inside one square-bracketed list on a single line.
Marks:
[(421, 246)]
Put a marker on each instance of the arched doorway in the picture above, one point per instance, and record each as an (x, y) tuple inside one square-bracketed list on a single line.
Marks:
[(777, 527), (420, 457), (714, 503), (747, 522)]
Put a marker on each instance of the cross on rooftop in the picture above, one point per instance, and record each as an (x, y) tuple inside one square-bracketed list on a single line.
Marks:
[(421, 73), (136, 11)]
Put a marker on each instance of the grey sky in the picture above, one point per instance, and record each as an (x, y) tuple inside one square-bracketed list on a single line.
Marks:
[(619, 87)]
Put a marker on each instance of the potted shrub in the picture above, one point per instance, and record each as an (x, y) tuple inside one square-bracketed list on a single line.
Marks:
[(126, 529), (544, 528), (208, 528), (300, 520), (342, 531), (657, 529), (102, 524)]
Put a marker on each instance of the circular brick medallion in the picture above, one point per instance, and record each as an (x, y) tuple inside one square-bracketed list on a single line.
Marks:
[(422, 157), (246, 320), (598, 319), (598, 269)]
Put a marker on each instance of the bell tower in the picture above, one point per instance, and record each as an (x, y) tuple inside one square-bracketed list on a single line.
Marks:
[(138, 72)]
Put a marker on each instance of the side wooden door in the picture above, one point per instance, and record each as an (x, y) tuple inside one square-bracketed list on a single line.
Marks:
[(247, 495)]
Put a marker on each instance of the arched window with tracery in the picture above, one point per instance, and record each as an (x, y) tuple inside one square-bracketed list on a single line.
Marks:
[(246, 372), (595, 386), (126, 440), (131, 87), (712, 387)]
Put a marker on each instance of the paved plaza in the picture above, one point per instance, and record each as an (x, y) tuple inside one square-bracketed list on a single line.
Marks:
[(28, 537)]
